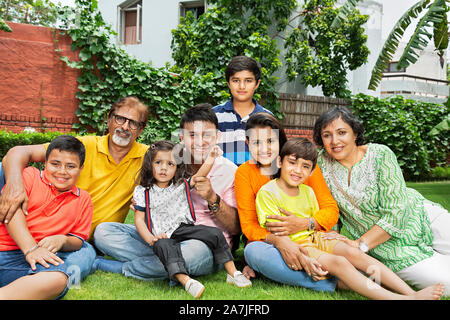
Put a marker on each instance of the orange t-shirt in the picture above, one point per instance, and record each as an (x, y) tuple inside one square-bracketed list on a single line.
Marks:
[(248, 180), (51, 213)]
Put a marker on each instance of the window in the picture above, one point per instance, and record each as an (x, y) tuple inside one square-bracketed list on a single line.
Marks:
[(392, 67), (129, 22), (196, 7)]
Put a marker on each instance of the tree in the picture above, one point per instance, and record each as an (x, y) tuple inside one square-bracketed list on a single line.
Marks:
[(38, 12), (434, 18), (4, 26), (246, 27), (321, 51)]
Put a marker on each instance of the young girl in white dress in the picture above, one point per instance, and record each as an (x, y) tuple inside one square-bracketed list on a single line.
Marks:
[(165, 215)]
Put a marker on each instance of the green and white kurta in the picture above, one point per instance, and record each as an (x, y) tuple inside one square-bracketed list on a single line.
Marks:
[(377, 195)]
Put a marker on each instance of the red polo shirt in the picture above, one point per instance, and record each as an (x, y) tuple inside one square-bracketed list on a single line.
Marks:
[(50, 212)]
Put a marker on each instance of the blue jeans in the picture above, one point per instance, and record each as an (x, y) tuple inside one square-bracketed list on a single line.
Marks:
[(123, 243), (76, 266), (267, 260)]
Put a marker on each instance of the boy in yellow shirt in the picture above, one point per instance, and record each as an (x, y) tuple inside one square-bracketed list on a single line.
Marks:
[(296, 161)]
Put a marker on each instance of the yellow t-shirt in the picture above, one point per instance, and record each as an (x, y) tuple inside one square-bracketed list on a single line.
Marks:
[(271, 197), (110, 185)]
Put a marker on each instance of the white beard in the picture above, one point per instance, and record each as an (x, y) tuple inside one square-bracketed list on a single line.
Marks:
[(120, 141)]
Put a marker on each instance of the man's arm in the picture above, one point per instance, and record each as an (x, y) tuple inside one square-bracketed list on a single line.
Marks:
[(13, 195), (227, 215)]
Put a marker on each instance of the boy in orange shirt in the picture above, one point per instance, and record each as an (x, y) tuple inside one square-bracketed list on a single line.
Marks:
[(38, 249)]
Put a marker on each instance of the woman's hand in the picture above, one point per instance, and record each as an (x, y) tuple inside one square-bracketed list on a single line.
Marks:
[(333, 235), (288, 224)]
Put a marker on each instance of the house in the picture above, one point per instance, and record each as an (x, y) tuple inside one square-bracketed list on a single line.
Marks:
[(425, 80), (144, 26), (144, 30)]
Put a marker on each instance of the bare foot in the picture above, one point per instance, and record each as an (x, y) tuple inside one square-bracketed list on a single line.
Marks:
[(429, 293), (248, 272)]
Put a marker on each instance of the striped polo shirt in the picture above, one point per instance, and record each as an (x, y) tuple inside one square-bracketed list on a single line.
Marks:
[(232, 127)]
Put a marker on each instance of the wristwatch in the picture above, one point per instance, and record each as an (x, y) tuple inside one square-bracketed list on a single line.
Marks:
[(312, 224), (363, 246), (215, 206)]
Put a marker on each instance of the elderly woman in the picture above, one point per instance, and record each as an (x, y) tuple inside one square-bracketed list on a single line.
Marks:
[(393, 223)]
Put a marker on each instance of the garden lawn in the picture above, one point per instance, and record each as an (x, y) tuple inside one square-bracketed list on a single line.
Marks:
[(108, 286)]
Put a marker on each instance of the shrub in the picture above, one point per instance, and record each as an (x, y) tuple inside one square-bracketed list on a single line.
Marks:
[(10, 139), (404, 125)]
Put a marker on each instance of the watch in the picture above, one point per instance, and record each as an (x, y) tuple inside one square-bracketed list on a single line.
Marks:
[(363, 246), (215, 206), (312, 224)]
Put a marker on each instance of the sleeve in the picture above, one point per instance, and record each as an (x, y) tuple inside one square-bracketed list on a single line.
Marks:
[(393, 198), (266, 204), (328, 213), (83, 226), (139, 198), (245, 199), (228, 193)]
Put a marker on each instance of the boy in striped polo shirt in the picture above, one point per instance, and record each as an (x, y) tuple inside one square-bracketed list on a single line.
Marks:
[(243, 75)]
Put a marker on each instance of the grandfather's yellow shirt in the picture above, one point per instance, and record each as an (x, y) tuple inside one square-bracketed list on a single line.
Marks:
[(110, 184), (270, 197)]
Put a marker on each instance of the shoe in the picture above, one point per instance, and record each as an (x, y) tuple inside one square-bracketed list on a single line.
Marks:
[(239, 280), (194, 288)]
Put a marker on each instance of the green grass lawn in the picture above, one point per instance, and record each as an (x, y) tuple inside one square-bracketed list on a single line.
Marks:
[(108, 286)]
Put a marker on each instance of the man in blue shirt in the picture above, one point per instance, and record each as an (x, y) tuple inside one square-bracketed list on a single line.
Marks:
[(243, 75)]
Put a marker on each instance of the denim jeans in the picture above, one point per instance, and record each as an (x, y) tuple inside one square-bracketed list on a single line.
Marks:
[(77, 265), (123, 243), (267, 260)]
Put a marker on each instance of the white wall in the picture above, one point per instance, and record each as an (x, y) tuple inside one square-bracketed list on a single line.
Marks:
[(158, 19)]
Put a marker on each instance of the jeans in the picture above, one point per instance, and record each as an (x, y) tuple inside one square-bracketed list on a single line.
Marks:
[(267, 260), (123, 242), (77, 265)]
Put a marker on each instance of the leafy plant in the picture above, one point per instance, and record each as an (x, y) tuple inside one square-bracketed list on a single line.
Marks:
[(324, 46), (435, 17), (404, 125)]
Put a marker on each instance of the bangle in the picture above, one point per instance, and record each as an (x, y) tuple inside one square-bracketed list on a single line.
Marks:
[(31, 250)]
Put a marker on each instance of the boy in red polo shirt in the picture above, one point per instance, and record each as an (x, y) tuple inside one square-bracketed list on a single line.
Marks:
[(34, 247)]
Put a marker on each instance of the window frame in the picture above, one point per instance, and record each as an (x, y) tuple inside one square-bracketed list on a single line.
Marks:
[(127, 6)]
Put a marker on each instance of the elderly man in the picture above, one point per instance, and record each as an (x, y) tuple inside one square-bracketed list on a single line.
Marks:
[(110, 169)]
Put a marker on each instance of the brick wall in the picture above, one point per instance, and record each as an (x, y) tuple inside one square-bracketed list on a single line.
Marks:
[(37, 89)]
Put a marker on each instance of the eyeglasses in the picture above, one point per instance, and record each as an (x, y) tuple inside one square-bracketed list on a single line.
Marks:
[(133, 124)]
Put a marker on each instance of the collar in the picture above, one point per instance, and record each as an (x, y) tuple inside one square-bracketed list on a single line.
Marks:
[(229, 105), (74, 190)]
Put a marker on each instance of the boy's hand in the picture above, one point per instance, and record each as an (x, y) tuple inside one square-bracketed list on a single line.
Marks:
[(42, 256), (53, 243)]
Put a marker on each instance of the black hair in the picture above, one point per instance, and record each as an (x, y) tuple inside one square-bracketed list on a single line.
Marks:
[(199, 112), (67, 143), (265, 119), (146, 178), (300, 147), (241, 63), (334, 113)]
